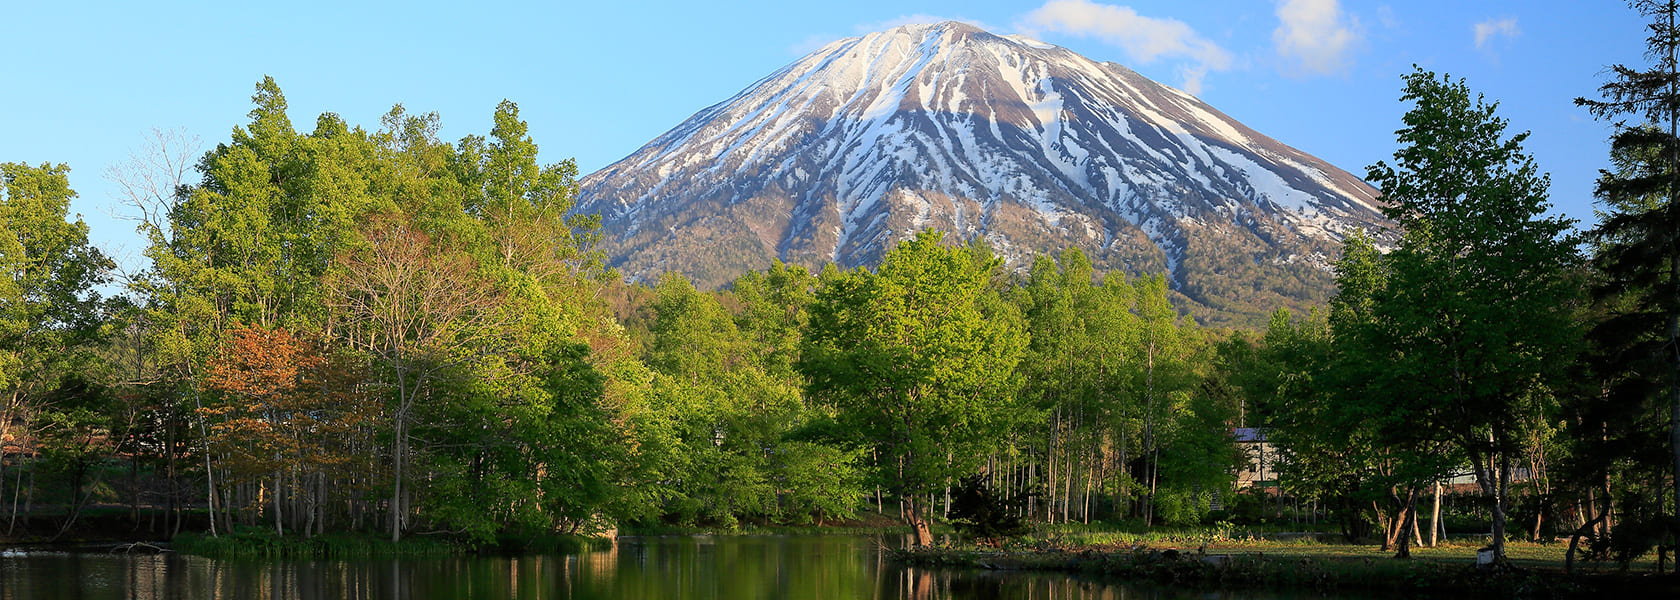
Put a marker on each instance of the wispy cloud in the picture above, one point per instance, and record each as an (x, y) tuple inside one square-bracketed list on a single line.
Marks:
[(1491, 28), (1385, 16), (1315, 37), (1145, 39)]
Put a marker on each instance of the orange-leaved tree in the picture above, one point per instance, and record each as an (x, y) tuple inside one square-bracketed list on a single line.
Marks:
[(291, 421)]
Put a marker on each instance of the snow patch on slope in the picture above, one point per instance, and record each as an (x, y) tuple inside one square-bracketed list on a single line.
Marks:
[(948, 111)]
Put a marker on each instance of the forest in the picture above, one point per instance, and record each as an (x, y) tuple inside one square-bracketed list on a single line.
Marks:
[(381, 332)]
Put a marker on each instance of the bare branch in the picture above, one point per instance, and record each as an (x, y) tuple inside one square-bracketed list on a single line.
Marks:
[(151, 181)]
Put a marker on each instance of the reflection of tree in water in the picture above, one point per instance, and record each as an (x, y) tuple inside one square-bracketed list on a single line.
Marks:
[(656, 568), (906, 583)]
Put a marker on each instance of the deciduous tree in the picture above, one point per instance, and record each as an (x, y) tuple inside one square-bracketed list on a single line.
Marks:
[(50, 311), (917, 358), (419, 308), (1477, 308)]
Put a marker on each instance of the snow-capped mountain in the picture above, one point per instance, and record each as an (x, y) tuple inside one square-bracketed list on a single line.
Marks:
[(1035, 148)]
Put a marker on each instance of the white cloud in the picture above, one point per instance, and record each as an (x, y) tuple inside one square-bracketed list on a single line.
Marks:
[(1145, 39), (1314, 35), (1486, 30)]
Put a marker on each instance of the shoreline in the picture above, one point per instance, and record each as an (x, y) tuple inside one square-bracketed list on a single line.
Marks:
[(1240, 569), (1233, 565), (1195, 559)]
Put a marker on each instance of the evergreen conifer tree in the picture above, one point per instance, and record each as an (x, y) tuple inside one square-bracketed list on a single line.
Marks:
[(1638, 249)]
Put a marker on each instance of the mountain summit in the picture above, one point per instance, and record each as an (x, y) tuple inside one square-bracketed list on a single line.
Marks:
[(1028, 145)]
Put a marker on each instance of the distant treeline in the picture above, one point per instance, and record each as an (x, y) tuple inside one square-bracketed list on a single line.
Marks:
[(378, 331)]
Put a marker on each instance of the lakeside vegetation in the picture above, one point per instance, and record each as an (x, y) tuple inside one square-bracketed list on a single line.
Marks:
[(346, 333), (1444, 570)]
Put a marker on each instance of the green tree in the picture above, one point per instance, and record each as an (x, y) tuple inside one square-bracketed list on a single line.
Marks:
[(775, 310), (917, 359), (724, 380), (1113, 327), (1477, 308), (1161, 373), (1324, 452), (457, 271), (727, 414), (526, 208), (819, 481), (537, 429), (1618, 412), (1638, 252), (50, 313), (249, 243), (1057, 301), (1373, 397)]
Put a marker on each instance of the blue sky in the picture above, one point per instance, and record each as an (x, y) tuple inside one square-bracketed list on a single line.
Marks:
[(83, 83)]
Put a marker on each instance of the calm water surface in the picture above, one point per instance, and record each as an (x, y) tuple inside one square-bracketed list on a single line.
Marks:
[(656, 568)]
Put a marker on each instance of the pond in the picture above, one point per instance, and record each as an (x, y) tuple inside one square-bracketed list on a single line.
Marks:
[(659, 568)]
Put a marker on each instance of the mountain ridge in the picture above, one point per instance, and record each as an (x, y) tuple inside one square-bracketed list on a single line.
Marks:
[(1028, 145)]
